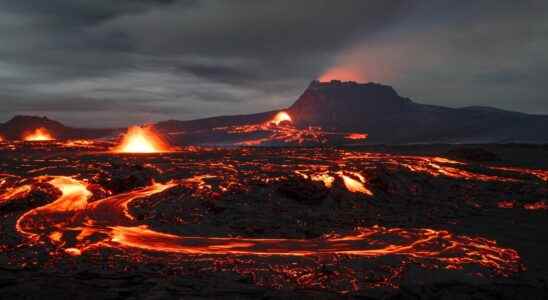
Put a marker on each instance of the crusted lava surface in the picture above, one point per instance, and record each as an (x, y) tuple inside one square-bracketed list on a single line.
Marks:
[(78, 221)]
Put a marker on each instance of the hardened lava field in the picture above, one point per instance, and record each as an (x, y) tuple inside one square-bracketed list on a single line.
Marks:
[(77, 219)]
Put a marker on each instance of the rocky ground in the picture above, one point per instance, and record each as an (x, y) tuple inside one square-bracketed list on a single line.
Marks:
[(299, 194)]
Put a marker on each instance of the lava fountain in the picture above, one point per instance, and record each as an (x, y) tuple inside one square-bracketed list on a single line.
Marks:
[(280, 117), (38, 135), (142, 140)]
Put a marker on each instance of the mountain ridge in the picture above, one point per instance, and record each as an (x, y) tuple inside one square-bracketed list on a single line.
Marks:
[(345, 106)]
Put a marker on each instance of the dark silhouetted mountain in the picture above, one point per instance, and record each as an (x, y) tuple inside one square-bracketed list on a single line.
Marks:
[(389, 118), (18, 126), (214, 122), (342, 107)]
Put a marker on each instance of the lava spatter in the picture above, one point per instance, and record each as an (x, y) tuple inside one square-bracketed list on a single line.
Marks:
[(142, 140)]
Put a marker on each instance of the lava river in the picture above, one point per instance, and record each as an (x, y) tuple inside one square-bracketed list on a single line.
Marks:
[(75, 224)]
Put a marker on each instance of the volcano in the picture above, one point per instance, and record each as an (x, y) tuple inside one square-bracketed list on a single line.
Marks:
[(335, 113), (390, 118), (20, 126), (385, 116)]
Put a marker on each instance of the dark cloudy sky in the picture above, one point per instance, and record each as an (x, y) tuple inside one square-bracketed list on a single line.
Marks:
[(117, 62)]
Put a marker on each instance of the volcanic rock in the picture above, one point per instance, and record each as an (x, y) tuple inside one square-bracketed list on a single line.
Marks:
[(304, 190), (15, 128), (473, 154)]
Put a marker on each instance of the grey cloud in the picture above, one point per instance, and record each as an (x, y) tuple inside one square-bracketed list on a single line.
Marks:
[(132, 59)]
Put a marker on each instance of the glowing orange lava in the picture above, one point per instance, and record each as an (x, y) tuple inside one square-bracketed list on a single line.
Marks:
[(76, 225), (281, 117), (540, 205), (39, 134), (343, 74), (355, 186), (15, 193), (142, 140), (506, 204), (356, 136)]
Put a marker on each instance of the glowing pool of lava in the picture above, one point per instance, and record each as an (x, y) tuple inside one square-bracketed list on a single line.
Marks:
[(142, 140), (38, 135)]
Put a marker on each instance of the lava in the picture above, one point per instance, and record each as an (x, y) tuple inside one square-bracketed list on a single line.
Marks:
[(39, 134), (245, 210), (356, 136), (110, 217), (281, 117), (540, 205), (355, 186), (142, 140), (506, 204), (15, 193)]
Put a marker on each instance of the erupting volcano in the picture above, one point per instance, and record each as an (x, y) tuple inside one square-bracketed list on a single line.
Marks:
[(280, 118), (38, 135), (142, 139)]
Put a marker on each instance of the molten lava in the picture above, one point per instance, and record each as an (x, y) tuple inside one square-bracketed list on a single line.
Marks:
[(38, 135), (355, 186), (94, 212), (75, 224), (356, 136), (142, 140), (540, 205), (281, 117)]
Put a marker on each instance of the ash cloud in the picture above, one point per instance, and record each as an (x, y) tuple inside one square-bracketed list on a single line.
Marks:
[(150, 60)]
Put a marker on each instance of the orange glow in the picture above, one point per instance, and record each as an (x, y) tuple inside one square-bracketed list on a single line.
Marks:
[(142, 140), (82, 217), (281, 117), (355, 186), (39, 134), (541, 205), (356, 136), (506, 204), (343, 74), (15, 193), (75, 143), (1, 139), (110, 219)]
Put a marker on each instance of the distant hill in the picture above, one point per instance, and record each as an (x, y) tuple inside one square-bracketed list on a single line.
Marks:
[(213, 122), (18, 126)]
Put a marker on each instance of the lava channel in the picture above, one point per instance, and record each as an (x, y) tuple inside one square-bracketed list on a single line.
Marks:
[(75, 225)]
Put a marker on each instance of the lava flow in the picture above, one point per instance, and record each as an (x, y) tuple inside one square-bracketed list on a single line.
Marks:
[(74, 223), (38, 135), (356, 136), (283, 217), (281, 117), (142, 140)]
